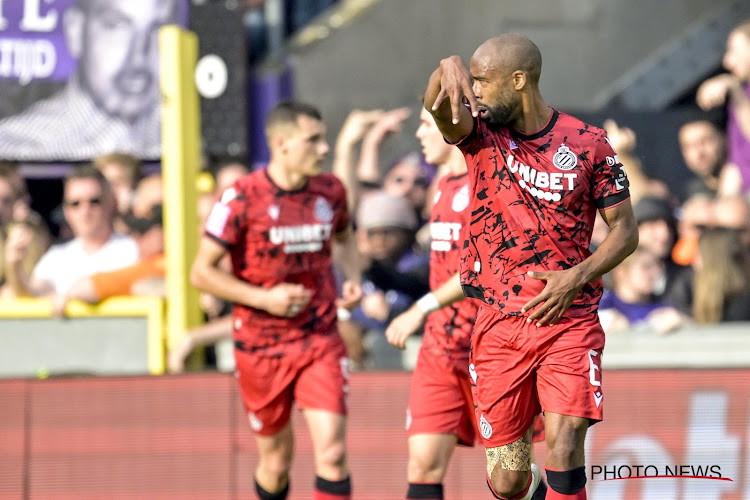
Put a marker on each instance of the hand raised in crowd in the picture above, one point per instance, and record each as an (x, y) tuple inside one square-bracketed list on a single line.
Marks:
[(622, 139), (559, 293), (351, 295), (713, 92), (210, 304), (287, 300), (456, 85), (375, 306), (388, 123), (17, 244), (356, 126), (404, 326)]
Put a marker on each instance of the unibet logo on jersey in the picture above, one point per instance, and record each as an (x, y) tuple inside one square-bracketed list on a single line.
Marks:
[(443, 235), (541, 184), (304, 238)]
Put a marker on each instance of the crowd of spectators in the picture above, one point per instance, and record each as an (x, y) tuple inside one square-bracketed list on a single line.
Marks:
[(692, 265)]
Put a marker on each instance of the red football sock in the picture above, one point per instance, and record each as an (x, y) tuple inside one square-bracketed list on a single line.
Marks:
[(319, 495)]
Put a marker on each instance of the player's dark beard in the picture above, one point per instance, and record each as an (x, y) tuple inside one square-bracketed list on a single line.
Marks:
[(498, 116)]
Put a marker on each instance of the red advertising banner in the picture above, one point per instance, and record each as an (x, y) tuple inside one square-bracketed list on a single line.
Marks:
[(187, 437)]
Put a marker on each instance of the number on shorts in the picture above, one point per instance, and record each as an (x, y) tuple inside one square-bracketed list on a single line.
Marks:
[(593, 368)]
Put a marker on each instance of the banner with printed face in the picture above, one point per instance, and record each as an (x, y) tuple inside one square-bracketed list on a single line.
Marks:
[(79, 78)]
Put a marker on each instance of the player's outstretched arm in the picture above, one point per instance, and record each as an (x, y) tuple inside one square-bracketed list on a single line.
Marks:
[(284, 299), (407, 323), (448, 88), (563, 286), (347, 259)]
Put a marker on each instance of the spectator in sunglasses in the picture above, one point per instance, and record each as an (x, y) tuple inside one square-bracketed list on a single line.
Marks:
[(89, 208)]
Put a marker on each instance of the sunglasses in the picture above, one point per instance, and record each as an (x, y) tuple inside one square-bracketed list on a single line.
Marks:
[(94, 202), (419, 181), (383, 231)]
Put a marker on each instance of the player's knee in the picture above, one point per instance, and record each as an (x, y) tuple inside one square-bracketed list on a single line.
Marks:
[(425, 469), (276, 465), (508, 467), (509, 483), (565, 449), (333, 455)]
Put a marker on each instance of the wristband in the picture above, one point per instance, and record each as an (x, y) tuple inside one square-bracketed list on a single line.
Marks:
[(343, 314), (429, 303)]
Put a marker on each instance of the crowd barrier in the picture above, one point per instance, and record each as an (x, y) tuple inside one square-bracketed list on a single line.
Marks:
[(187, 436)]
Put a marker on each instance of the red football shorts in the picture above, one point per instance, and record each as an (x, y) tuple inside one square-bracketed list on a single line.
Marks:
[(522, 369), (440, 399), (313, 373)]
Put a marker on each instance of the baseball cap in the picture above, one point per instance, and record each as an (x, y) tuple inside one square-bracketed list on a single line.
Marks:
[(381, 209), (651, 208), (141, 225)]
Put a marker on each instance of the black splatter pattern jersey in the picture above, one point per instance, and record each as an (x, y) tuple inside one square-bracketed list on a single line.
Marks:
[(448, 331), (275, 236), (533, 204)]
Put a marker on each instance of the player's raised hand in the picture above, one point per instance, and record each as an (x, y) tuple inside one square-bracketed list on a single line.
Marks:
[(287, 300), (351, 295), (455, 85), (560, 292), (404, 326)]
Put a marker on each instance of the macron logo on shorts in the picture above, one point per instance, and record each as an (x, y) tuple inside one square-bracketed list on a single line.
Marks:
[(473, 374), (255, 423)]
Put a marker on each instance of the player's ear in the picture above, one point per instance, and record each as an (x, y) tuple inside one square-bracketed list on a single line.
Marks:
[(278, 141), (519, 80), (73, 24)]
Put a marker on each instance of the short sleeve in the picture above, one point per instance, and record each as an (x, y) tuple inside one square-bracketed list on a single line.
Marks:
[(609, 182), (227, 221)]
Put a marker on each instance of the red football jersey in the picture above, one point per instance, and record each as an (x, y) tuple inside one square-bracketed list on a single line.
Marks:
[(275, 236), (534, 200), (448, 330)]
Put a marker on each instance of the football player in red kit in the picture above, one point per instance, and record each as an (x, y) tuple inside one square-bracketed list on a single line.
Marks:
[(537, 177), (440, 414), (280, 226)]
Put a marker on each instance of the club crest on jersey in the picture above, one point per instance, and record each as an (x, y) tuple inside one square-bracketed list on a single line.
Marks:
[(273, 211), (565, 159), (323, 210), (461, 199), (485, 427)]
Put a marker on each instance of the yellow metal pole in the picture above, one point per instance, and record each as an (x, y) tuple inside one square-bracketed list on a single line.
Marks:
[(180, 136)]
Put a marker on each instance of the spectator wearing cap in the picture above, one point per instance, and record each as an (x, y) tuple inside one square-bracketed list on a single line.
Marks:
[(145, 277), (89, 208), (657, 233), (395, 274)]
